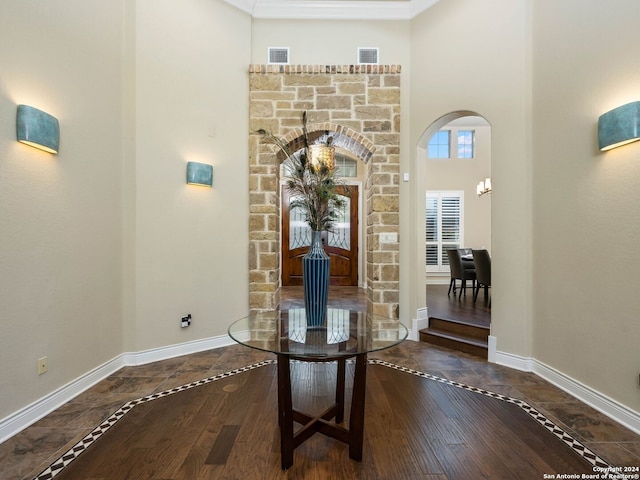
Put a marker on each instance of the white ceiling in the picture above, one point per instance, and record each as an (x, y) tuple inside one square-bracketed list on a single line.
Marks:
[(333, 9)]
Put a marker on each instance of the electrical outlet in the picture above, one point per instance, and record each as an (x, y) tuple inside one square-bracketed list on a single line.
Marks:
[(185, 321), (43, 365)]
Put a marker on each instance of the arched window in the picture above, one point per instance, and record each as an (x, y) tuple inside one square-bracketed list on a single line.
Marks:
[(347, 167)]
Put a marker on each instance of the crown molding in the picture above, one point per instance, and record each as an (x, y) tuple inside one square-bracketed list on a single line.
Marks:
[(333, 9)]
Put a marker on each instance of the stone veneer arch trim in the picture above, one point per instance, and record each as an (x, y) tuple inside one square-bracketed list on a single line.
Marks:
[(343, 137)]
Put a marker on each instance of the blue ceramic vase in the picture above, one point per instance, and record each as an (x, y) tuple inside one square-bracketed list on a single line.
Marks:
[(315, 278)]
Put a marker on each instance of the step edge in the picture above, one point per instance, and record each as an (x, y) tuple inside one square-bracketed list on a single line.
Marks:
[(475, 350), (458, 338), (461, 322), (456, 329)]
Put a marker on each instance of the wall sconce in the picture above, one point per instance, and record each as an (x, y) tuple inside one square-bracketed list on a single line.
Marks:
[(484, 187), (619, 126), (199, 174), (37, 129)]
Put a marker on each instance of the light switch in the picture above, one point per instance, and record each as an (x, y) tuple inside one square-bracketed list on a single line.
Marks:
[(389, 237)]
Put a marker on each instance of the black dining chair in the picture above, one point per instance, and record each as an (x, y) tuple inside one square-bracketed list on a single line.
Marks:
[(482, 261), (458, 272), (466, 255)]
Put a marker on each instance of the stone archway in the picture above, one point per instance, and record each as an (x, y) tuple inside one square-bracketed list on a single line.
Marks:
[(360, 107)]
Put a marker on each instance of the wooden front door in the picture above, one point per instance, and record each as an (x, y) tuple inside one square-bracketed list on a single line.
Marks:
[(341, 245)]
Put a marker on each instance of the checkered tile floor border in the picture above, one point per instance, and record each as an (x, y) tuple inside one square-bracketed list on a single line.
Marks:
[(578, 447), (70, 455)]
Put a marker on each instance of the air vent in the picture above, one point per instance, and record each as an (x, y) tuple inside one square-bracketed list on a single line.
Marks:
[(279, 55), (367, 56)]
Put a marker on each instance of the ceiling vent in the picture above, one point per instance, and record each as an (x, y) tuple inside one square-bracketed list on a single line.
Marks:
[(279, 55), (367, 56)]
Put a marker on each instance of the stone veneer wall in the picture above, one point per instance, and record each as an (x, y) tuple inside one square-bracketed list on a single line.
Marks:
[(359, 105)]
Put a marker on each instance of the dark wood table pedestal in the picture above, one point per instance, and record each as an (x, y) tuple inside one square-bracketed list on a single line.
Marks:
[(345, 334), (287, 415)]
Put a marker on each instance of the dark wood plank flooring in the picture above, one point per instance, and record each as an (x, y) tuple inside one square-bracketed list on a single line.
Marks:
[(415, 428), (452, 307)]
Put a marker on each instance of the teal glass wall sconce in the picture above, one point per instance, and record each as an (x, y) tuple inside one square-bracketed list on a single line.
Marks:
[(619, 126), (37, 129), (199, 174)]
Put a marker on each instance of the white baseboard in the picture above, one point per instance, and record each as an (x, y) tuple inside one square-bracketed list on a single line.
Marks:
[(30, 414), (171, 351), (514, 361), (419, 323), (18, 421), (492, 344), (599, 401)]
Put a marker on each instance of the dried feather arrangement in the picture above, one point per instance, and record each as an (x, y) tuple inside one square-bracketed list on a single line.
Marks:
[(311, 180)]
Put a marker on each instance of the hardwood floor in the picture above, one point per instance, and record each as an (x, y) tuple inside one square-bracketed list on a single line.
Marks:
[(451, 307), (228, 429), (415, 426)]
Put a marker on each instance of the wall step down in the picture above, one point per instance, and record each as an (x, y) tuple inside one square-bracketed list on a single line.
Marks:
[(457, 335)]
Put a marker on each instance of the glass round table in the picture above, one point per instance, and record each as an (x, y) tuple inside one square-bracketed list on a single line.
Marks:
[(345, 334)]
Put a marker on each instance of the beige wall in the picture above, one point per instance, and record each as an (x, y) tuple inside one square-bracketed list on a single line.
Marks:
[(586, 304), (191, 104), (60, 220), (103, 247), (472, 56), (322, 42)]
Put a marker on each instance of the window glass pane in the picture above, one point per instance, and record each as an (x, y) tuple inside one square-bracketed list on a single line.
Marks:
[(439, 145), (466, 143), (340, 237), (299, 230), (346, 167)]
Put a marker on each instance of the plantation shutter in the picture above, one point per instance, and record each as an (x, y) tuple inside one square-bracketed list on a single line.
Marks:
[(432, 231), (444, 227)]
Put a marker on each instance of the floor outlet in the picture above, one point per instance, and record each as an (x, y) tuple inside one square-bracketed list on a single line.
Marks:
[(43, 365)]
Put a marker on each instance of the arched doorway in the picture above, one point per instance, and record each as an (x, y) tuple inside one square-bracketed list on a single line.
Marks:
[(454, 156), (344, 245)]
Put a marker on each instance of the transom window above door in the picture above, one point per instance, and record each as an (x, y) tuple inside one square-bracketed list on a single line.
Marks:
[(346, 167)]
